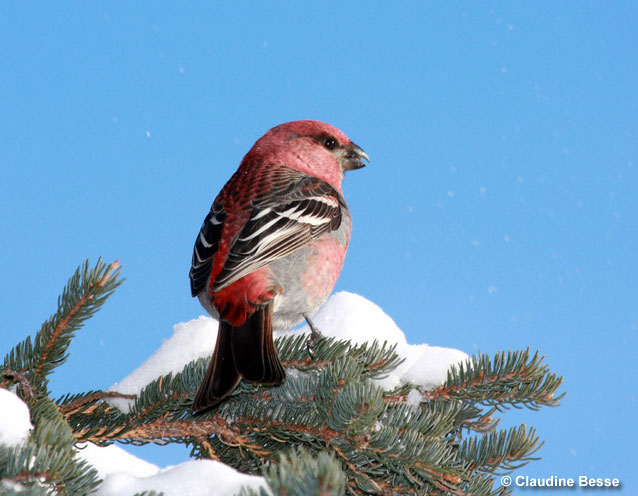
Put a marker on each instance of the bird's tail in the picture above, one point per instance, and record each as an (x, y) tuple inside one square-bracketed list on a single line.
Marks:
[(243, 352)]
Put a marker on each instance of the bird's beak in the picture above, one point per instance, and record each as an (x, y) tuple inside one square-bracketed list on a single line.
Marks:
[(354, 157)]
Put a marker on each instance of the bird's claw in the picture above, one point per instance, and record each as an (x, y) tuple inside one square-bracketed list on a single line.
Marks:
[(315, 335)]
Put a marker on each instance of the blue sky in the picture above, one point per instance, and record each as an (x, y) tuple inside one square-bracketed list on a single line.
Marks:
[(499, 210)]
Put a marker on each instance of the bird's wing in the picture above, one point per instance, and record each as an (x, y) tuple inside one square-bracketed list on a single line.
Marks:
[(206, 247), (297, 209)]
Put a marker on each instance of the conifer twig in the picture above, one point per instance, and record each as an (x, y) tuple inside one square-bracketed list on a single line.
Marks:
[(25, 385), (349, 432), (84, 294), (81, 403), (63, 324)]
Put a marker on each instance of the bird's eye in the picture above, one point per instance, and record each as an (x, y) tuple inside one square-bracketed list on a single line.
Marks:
[(329, 143)]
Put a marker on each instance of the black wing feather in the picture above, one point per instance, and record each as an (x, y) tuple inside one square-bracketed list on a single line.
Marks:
[(206, 246)]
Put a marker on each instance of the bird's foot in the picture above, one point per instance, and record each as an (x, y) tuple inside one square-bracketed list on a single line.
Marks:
[(315, 335)]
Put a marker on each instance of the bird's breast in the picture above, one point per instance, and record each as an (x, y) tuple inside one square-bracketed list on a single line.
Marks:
[(307, 276)]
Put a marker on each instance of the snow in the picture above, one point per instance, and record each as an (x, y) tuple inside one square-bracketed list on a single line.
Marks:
[(344, 316), (190, 341), (194, 478), (15, 422), (114, 460), (351, 316), (125, 474), (414, 398), (427, 365)]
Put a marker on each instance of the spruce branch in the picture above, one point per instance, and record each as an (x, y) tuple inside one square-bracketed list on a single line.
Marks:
[(501, 452), (22, 383), (84, 294), (47, 463), (88, 402), (327, 429), (383, 445), (299, 473), (376, 359), (510, 379)]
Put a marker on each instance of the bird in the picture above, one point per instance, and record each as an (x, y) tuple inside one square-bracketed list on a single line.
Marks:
[(270, 250)]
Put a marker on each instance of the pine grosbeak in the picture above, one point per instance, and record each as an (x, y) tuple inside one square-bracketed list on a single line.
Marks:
[(271, 248)]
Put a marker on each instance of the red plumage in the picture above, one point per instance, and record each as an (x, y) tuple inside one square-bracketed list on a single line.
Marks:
[(271, 248)]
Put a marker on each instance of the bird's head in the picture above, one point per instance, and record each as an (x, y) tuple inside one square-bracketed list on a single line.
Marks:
[(316, 148)]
